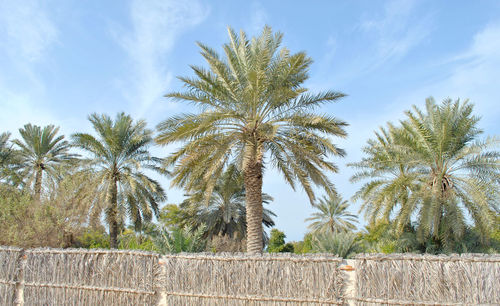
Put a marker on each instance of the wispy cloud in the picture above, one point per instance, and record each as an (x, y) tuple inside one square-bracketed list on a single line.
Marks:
[(26, 34), (27, 29), (258, 18), (473, 74), (397, 30), (156, 25)]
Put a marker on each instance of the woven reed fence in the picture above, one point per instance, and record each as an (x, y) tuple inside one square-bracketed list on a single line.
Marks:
[(402, 279), (243, 279), (90, 277), (9, 265), (103, 277)]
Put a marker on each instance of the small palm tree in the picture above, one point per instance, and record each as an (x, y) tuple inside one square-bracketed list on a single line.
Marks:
[(343, 244), (255, 110), (225, 213), (41, 151), (332, 216), (180, 240), (434, 168), (119, 155)]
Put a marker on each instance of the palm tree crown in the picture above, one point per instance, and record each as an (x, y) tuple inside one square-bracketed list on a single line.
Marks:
[(41, 151), (255, 112), (119, 155), (332, 216), (433, 168)]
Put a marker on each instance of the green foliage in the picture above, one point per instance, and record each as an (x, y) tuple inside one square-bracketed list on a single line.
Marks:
[(180, 240), (131, 241), (93, 239), (304, 246), (277, 243), (382, 238), (172, 216), (432, 167), (343, 244), (54, 223), (332, 216)]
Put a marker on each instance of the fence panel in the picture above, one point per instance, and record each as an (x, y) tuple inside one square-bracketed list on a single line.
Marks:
[(243, 279), (90, 277), (472, 279), (9, 263)]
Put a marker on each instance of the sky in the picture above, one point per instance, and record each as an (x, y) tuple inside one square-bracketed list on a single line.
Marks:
[(62, 60)]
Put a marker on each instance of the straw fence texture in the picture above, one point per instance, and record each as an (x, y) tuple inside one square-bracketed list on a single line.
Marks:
[(90, 277), (402, 279), (103, 277), (244, 279), (9, 263)]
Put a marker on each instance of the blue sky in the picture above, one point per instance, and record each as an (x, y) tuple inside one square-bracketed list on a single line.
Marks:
[(61, 60)]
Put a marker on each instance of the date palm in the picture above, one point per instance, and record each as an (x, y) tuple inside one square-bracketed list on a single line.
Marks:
[(7, 155), (41, 151), (255, 112), (118, 156), (437, 170), (225, 213), (332, 216)]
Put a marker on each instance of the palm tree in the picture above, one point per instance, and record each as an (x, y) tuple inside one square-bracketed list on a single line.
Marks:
[(343, 244), (41, 151), (180, 240), (255, 112), (392, 180), (225, 213), (434, 169), (6, 156), (332, 216), (118, 156)]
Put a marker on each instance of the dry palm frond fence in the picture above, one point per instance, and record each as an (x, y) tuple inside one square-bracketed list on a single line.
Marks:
[(10, 259), (402, 279), (80, 277), (103, 277), (242, 279)]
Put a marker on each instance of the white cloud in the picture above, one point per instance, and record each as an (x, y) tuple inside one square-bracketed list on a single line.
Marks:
[(27, 28), (156, 25)]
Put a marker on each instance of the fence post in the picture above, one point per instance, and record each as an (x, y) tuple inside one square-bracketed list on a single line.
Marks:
[(19, 279), (349, 267), (162, 300)]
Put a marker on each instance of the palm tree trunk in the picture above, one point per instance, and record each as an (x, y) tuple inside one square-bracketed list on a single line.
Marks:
[(38, 185), (253, 198), (113, 215)]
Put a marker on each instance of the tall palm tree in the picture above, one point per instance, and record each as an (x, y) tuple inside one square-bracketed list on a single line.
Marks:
[(119, 154), (255, 112), (332, 216), (41, 151), (440, 173), (225, 213)]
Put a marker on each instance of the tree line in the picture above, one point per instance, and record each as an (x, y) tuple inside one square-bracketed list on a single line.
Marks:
[(430, 183)]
